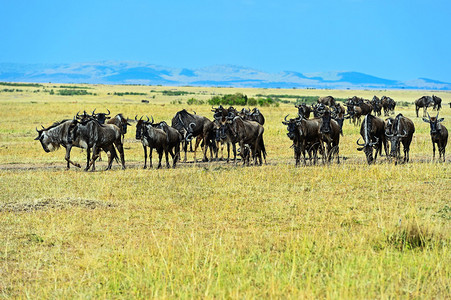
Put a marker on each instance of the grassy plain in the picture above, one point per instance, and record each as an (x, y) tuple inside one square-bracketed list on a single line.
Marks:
[(216, 230)]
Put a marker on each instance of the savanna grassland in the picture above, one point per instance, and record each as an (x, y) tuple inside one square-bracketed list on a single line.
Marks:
[(217, 230)]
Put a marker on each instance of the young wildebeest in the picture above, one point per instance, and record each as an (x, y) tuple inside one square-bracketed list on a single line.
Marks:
[(439, 135), (373, 133), (251, 133), (305, 134), (91, 134), (56, 135), (401, 131)]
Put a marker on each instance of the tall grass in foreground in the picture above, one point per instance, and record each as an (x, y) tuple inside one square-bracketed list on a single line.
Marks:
[(217, 230)]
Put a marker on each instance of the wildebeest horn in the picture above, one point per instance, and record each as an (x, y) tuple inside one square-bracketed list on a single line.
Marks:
[(285, 119), (388, 135), (191, 126), (152, 119), (108, 112), (147, 118), (93, 112), (359, 143), (428, 115), (136, 118)]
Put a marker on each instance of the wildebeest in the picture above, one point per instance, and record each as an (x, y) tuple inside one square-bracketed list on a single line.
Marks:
[(439, 135), (191, 126), (399, 131), (56, 135), (305, 134), (373, 133), (330, 134), (338, 114), (377, 105), (120, 122), (437, 102), (388, 104), (423, 102), (250, 133), (91, 134), (154, 138), (328, 100), (304, 110)]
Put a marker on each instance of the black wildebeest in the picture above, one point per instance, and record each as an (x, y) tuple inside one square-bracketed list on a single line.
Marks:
[(399, 131), (56, 135), (373, 133), (305, 134), (439, 135), (423, 102), (191, 126), (154, 138), (250, 133), (91, 134)]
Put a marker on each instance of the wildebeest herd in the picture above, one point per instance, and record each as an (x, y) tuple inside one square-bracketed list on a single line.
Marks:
[(314, 137)]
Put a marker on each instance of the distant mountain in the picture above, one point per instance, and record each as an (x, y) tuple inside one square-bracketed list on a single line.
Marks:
[(108, 72)]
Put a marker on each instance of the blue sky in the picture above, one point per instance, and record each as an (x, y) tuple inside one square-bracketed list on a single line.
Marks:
[(390, 39)]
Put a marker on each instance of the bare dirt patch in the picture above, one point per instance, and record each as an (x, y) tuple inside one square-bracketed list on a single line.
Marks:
[(51, 203)]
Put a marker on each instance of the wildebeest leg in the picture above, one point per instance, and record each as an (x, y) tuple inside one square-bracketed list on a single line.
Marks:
[(160, 156), (145, 156), (433, 150), (205, 140), (228, 152), (150, 157), (185, 149), (195, 148), (67, 158), (120, 148), (167, 158)]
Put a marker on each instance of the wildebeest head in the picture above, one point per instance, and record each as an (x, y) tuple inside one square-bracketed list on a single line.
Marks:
[(292, 126), (325, 124), (434, 122), (139, 127), (122, 122), (369, 144), (394, 134), (101, 117), (46, 140)]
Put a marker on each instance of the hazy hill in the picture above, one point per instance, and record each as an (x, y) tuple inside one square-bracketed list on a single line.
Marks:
[(220, 75)]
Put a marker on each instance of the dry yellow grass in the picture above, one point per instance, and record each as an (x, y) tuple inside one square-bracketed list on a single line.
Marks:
[(217, 230)]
